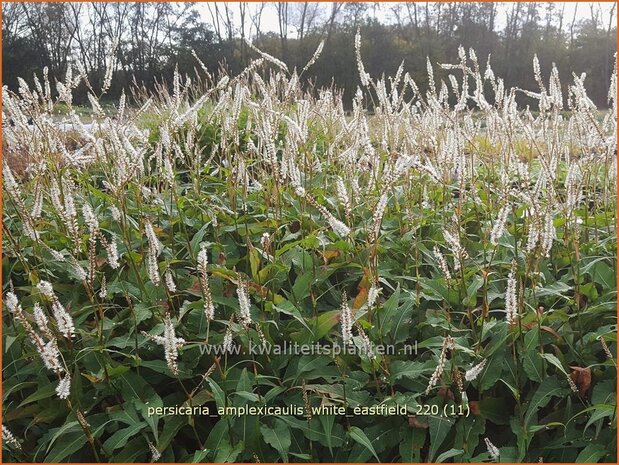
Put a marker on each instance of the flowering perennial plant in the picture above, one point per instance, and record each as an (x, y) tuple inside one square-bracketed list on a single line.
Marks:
[(236, 211)]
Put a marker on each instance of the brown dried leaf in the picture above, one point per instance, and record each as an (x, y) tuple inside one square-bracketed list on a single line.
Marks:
[(329, 255), (445, 392), (548, 329), (413, 422), (582, 379), (474, 406), (229, 290), (364, 288)]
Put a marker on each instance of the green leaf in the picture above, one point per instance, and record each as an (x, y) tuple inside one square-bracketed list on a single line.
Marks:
[(287, 308), (405, 369), (219, 438), (71, 443), (315, 434), (531, 360), (135, 448), (151, 420), (64, 429), (556, 289), (492, 371), (411, 443), (199, 456), (277, 437), (244, 383), (254, 262), (555, 361), (508, 455), (604, 392), (359, 436), (134, 386), (494, 409), (324, 323), (8, 342), (120, 437), (468, 431), (310, 365), (590, 291), (197, 238), (218, 394), (499, 333), (45, 392), (549, 388), (327, 422), (302, 286), (602, 273), (600, 411), (592, 453), (388, 313), (394, 318), (228, 453), (449, 454), (171, 426), (471, 292), (439, 428)]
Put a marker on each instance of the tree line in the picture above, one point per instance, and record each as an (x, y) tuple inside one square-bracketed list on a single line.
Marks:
[(144, 42)]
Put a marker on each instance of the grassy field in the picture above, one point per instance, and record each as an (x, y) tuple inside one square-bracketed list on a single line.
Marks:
[(147, 255)]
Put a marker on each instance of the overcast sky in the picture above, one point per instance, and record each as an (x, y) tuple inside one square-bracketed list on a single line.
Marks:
[(382, 12)]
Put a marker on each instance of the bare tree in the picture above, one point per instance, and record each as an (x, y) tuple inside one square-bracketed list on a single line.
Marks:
[(354, 12), (595, 14), (282, 21), (550, 8), (53, 29), (428, 18), (256, 17), (608, 31), (12, 22), (611, 20), (215, 15), (490, 10), (561, 15), (303, 17), (242, 16), (413, 17), (397, 12), (511, 32), (335, 9), (229, 21), (572, 26)]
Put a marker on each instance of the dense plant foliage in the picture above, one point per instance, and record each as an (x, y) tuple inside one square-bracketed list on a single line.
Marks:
[(148, 253)]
